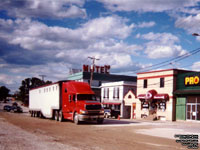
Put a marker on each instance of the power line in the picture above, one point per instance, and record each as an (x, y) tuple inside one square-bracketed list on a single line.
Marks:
[(167, 62)]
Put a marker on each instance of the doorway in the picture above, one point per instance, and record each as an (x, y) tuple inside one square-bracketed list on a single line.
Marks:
[(193, 108), (191, 112)]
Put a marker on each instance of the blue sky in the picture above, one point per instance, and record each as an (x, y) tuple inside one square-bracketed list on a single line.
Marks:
[(48, 37)]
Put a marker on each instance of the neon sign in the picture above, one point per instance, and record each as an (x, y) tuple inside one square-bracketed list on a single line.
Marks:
[(98, 69), (192, 81)]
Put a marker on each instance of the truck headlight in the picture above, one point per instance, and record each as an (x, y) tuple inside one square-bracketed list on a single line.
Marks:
[(83, 112), (101, 112)]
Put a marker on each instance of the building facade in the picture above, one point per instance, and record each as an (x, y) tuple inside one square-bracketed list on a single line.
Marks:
[(99, 78), (188, 96), (155, 90), (112, 96), (130, 103)]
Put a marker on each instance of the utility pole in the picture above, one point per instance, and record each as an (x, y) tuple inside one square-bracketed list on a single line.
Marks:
[(92, 68), (43, 76)]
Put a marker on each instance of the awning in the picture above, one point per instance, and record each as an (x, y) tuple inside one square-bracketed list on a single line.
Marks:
[(142, 96), (109, 103), (162, 96), (148, 96), (152, 94)]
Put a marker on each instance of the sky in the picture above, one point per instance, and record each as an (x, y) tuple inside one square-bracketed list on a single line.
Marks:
[(50, 37)]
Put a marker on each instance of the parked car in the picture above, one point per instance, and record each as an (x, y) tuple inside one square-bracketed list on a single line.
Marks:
[(7, 108), (17, 109), (115, 113), (107, 113)]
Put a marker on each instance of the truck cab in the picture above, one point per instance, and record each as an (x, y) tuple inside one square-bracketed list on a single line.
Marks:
[(79, 103)]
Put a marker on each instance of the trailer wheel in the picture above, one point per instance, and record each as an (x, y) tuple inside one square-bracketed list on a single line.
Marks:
[(31, 113), (60, 116), (56, 115), (34, 114), (76, 120)]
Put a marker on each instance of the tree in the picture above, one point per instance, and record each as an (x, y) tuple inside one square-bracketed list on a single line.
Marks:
[(28, 84), (4, 92)]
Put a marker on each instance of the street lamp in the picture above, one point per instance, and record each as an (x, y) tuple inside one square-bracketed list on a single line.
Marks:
[(195, 34)]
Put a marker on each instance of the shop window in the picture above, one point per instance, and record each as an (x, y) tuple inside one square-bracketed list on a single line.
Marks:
[(145, 83), (162, 82), (106, 93), (116, 92), (145, 105), (162, 106)]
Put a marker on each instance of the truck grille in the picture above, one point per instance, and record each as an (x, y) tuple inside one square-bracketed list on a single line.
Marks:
[(93, 107)]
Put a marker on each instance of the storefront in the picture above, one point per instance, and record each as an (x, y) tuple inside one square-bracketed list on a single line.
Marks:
[(153, 104), (188, 97)]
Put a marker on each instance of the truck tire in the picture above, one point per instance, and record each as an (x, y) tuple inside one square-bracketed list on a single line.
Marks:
[(56, 115), (34, 114), (31, 113), (60, 116), (76, 120)]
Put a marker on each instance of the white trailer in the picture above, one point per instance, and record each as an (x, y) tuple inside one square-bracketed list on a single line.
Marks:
[(45, 99)]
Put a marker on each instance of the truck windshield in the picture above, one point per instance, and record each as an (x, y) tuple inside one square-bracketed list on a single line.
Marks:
[(86, 97)]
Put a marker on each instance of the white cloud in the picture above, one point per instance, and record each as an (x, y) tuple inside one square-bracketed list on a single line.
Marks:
[(111, 26), (190, 23), (44, 8), (39, 49), (146, 24), (147, 5), (196, 66), (163, 38), (6, 79), (33, 35), (162, 45)]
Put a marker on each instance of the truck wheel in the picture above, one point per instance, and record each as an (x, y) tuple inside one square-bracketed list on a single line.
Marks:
[(31, 113), (34, 114), (60, 116), (56, 116), (76, 121), (41, 115)]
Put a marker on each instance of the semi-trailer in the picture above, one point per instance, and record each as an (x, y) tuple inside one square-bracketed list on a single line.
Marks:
[(61, 100)]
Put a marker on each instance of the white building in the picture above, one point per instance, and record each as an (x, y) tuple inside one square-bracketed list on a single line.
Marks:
[(112, 96)]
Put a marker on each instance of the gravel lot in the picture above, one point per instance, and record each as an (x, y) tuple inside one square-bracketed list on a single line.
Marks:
[(22, 132), (15, 138)]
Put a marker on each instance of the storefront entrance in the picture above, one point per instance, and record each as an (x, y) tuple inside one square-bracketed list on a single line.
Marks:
[(193, 108)]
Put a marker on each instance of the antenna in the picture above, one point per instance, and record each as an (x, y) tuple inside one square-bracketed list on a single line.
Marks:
[(43, 76)]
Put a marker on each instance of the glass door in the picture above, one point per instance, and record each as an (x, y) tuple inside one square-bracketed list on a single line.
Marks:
[(198, 111), (191, 112)]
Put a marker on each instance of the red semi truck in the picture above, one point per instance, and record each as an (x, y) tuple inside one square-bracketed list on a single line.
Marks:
[(65, 100)]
